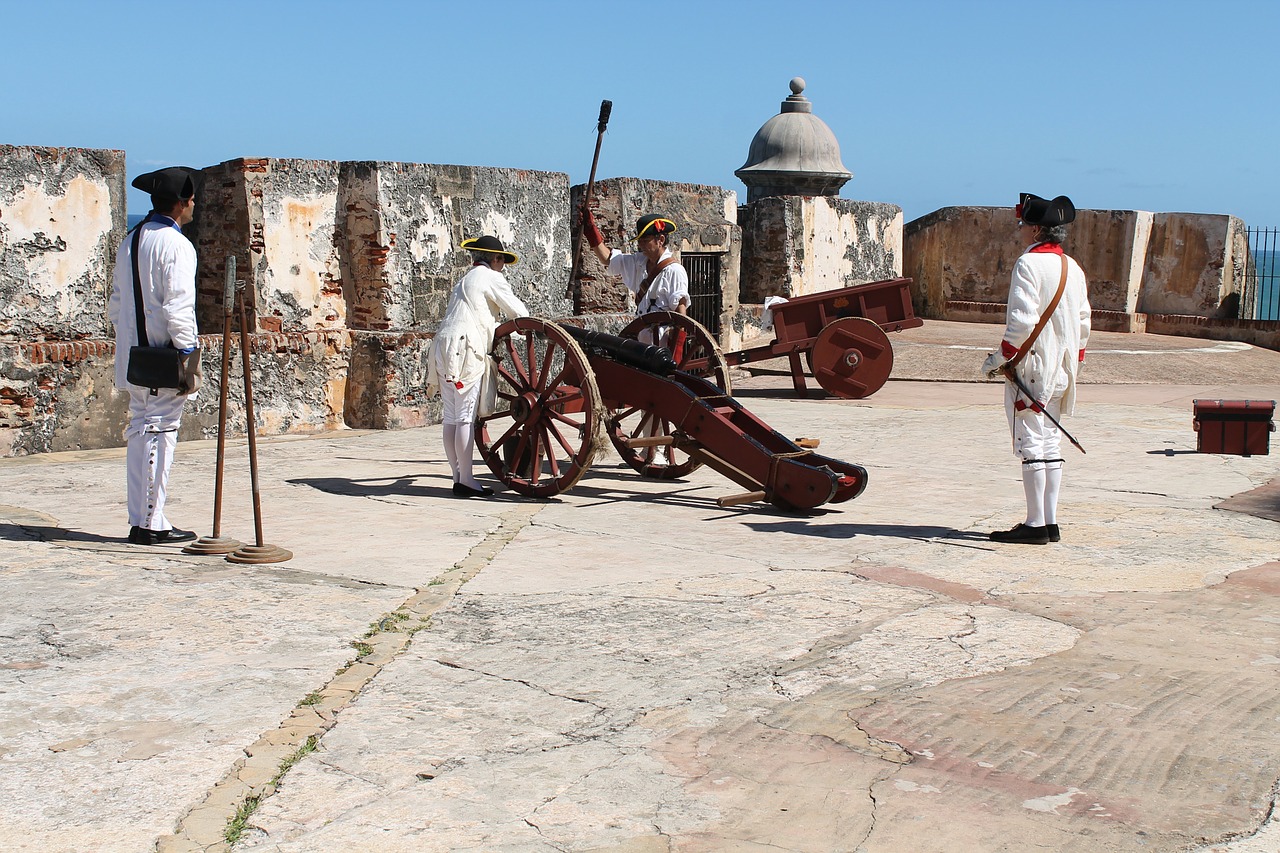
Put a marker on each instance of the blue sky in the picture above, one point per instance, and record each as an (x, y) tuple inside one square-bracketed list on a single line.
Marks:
[(1161, 106)]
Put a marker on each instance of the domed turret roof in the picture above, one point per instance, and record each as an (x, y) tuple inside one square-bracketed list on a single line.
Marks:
[(794, 153)]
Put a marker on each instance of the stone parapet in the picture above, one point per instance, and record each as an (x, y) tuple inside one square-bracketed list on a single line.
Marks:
[(797, 245), (1135, 261), (387, 381), (62, 217)]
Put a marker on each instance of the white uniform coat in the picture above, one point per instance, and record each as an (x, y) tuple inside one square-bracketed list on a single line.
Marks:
[(460, 349), (1049, 369), (665, 291), (167, 272)]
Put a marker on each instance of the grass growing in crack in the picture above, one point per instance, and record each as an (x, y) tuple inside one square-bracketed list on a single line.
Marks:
[(312, 698), (236, 825), (363, 650), (386, 623)]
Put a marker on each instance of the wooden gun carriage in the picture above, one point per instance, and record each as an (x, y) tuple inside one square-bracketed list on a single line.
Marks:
[(561, 389), (841, 334)]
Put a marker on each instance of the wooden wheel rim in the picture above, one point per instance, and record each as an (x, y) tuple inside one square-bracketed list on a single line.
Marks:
[(545, 432)]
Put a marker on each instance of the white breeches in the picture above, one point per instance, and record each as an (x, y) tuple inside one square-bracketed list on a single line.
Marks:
[(460, 407), (1038, 443), (152, 436), (1035, 438)]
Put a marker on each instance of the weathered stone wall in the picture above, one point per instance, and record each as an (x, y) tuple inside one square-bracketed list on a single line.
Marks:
[(405, 223), (279, 219), (387, 381), (1193, 265), (62, 216), (960, 259), (705, 220), (796, 245)]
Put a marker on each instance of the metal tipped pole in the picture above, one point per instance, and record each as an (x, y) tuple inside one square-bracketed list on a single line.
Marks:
[(257, 552), (217, 543), (606, 107)]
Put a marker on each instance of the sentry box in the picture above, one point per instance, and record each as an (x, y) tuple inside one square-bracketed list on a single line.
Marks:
[(1237, 427)]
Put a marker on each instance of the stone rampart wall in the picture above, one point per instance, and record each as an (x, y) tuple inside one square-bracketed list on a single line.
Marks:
[(61, 218), (794, 245), (1135, 261)]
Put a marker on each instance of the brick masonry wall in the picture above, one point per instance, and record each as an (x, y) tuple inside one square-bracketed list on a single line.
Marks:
[(61, 221)]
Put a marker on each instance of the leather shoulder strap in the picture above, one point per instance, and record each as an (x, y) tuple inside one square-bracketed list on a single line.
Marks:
[(1044, 320), (648, 280), (137, 291)]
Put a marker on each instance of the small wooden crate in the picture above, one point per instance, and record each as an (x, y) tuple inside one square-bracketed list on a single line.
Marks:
[(1237, 427)]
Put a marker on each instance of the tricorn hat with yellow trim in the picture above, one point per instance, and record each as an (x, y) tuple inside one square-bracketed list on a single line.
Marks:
[(1033, 210), (490, 244), (653, 224)]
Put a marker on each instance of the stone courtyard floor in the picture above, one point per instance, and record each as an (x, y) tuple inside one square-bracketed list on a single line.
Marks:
[(629, 667)]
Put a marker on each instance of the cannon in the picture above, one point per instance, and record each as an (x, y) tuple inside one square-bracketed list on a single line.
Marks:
[(841, 334), (561, 390)]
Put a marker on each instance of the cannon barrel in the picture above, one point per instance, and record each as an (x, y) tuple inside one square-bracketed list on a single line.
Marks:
[(646, 357)]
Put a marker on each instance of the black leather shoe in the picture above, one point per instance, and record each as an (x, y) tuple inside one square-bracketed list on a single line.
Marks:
[(143, 536), (1055, 535), (461, 490), (1022, 535)]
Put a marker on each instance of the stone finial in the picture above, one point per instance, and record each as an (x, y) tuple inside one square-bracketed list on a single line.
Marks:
[(794, 153)]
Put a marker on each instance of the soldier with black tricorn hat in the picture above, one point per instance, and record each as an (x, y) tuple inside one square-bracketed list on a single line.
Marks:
[(166, 273), (1046, 329)]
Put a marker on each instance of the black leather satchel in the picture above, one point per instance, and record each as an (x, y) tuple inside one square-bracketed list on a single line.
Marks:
[(157, 367)]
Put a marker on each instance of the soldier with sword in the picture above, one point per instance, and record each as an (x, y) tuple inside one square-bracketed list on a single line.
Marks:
[(1046, 330)]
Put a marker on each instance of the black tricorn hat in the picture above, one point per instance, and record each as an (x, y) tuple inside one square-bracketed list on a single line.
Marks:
[(172, 182), (490, 244), (1033, 210), (653, 223)]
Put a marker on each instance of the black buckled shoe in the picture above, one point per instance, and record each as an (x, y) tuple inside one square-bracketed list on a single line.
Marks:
[(461, 490), (1055, 535), (143, 536), (1022, 535)]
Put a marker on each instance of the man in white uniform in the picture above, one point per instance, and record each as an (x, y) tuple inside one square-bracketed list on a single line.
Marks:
[(1049, 292), (460, 354), (656, 280), (167, 273)]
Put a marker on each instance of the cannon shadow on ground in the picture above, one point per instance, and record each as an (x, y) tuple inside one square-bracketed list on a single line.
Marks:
[(46, 533)]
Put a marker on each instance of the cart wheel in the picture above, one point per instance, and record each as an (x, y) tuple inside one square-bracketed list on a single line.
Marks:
[(851, 357), (699, 355), (546, 430)]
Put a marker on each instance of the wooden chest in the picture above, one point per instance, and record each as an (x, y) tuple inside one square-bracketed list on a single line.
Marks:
[(1238, 427)]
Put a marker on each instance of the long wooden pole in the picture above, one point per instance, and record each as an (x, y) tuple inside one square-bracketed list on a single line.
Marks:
[(606, 107)]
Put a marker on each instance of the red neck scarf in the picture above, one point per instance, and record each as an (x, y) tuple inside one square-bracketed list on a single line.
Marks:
[(1054, 248)]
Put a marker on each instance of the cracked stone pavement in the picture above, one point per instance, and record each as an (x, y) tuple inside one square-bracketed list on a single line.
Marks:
[(630, 667)]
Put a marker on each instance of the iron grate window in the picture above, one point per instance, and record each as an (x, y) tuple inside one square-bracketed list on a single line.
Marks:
[(1262, 276), (705, 293)]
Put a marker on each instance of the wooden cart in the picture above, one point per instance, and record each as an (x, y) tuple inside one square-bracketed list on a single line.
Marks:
[(840, 332)]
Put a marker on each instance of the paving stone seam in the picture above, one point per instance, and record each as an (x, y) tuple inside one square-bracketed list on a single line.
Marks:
[(256, 776)]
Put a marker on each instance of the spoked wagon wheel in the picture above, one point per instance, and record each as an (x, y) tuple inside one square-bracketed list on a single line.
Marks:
[(695, 351), (546, 430)]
